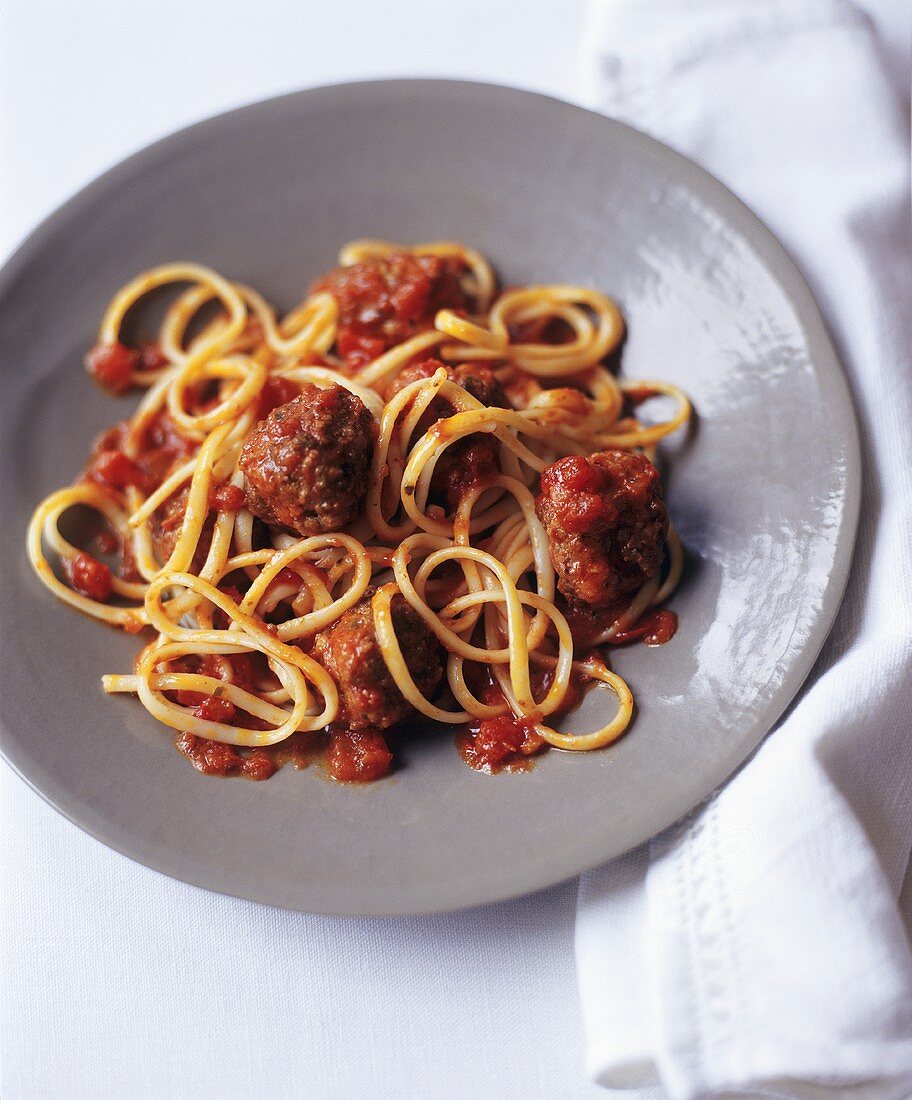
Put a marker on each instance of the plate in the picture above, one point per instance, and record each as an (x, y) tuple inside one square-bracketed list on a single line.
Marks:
[(764, 489)]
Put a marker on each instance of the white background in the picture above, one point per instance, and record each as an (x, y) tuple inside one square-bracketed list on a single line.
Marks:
[(82, 84)]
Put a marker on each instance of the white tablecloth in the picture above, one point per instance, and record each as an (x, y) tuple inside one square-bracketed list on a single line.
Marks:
[(117, 982)]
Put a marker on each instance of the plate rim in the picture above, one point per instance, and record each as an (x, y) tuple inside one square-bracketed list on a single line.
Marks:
[(829, 371)]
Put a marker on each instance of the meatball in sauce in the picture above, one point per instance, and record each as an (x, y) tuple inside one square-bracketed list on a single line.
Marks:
[(386, 300), (306, 466), (469, 461), (476, 379), (606, 523), (350, 652)]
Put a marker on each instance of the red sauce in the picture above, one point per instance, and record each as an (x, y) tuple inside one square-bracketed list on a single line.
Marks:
[(284, 579), (580, 486), (250, 670), (151, 356), (468, 464), (276, 392), (543, 678), (117, 471), (214, 758), (226, 498), (106, 542), (161, 447), (111, 366), (206, 664), (220, 620), (358, 756), (358, 348), (495, 744), (90, 576), (542, 330), (213, 708), (486, 689), (384, 301), (259, 765), (656, 628)]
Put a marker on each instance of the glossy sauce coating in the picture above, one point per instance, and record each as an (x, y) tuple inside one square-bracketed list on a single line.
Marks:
[(606, 524), (469, 462), (214, 758), (306, 466), (350, 652), (507, 743), (386, 300), (656, 628), (358, 756)]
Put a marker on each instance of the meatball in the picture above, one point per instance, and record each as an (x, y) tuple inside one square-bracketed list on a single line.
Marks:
[(469, 461), (165, 527), (306, 466), (475, 379), (606, 524), (385, 300), (350, 652), (166, 522)]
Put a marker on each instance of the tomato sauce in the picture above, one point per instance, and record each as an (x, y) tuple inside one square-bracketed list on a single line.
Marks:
[(542, 330), (115, 470), (498, 744), (111, 366), (106, 542), (349, 756), (215, 758), (359, 348), (384, 301), (90, 577), (214, 708), (161, 448), (469, 463), (507, 743), (248, 671), (358, 756), (276, 392), (226, 498), (300, 751), (654, 629)]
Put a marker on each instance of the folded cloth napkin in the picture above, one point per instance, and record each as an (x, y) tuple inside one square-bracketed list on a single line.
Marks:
[(757, 949)]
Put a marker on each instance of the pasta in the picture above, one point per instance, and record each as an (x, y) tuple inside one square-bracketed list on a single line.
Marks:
[(290, 489)]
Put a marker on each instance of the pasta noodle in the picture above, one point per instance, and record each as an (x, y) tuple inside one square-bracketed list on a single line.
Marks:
[(476, 571)]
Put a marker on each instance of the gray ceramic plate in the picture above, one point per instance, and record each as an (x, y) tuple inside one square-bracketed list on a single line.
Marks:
[(764, 492)]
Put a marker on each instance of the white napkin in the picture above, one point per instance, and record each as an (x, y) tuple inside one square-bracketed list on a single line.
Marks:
[(756, 949)]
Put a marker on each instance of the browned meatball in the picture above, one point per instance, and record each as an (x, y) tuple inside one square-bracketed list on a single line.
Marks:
[(469, 461), (165, 527), (306, 466), (606, 524), (350, 652), (475, 379), (165, 524), (385, 300)]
